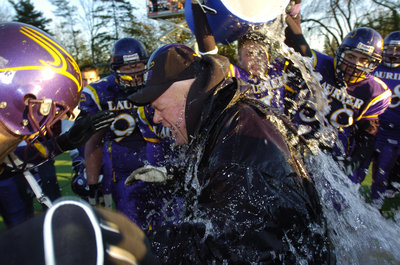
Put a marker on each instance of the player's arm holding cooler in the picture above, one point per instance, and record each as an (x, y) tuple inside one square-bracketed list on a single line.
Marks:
[(203, 33), (293, 33)]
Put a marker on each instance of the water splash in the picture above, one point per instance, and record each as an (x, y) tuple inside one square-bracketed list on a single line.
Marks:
[(358, 231)]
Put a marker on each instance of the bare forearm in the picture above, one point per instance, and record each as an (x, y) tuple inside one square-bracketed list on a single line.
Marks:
[(93, 157)]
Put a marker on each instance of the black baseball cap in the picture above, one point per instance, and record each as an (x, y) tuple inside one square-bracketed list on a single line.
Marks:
[(167, 65)]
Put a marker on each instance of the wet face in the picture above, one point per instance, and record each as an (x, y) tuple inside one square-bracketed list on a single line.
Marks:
[(354, 66), (170, 109), (253, 58), (89, 77), (132, 74)]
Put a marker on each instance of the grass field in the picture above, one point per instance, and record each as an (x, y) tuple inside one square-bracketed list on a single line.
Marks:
[(64, 169), (390, 205)]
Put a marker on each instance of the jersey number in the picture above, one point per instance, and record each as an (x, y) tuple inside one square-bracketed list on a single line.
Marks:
[(124, 121)]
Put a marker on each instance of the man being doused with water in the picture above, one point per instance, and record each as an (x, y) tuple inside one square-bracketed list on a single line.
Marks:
[(248, 197), (256, 64)]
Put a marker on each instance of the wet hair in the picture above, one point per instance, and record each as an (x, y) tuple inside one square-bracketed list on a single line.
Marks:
[(255, 36), (258, 38)]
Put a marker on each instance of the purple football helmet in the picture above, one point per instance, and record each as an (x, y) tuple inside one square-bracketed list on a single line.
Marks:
[(391, 50), (365, 41), (40, 83), (131, 52)]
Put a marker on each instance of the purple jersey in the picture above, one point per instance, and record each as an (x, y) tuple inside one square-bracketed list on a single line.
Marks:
[(130, 131), (134, 143), (366, 99), (270, 90), (390, 119), (16, 202), (387, 144)]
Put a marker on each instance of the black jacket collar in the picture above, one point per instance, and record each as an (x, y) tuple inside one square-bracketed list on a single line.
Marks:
[(213, 75)]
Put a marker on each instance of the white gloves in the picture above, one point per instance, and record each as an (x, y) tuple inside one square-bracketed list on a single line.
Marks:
[(148, 174)]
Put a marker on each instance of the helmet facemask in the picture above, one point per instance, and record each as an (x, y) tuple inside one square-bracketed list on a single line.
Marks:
[(131, 78), (128, 61), (354, 70), (391, 55), (41, 116)]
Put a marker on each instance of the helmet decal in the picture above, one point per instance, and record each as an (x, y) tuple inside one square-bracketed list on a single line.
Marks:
[(40, 84), (394, 42), (130, 57), (59, 65), (365, 48)]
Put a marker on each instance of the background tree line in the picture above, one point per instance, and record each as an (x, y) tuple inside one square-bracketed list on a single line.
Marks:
[(88, 29), (331, 20)]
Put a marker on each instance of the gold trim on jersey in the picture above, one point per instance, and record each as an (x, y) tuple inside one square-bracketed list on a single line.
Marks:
[(95, 96), (231, 70), (143, 117), (381, 97), (314, 57)]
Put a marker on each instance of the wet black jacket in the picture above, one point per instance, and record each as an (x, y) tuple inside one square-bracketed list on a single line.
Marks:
[(249, 199)]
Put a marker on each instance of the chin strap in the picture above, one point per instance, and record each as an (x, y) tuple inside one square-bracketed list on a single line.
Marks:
[(11, 161), (40, 196)]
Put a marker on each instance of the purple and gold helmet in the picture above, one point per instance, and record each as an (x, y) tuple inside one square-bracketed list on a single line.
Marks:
[(40, 83), (129, 51), (391, 50), (363, 40)]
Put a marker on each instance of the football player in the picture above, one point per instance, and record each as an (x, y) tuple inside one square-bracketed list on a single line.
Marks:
[(134, 142), (356, 98), (37, 91), (90, 74), (388, 136), (79, 184), (267, 76), (40, 84)]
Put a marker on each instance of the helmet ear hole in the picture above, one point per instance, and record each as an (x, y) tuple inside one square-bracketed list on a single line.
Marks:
[(28, 97)]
